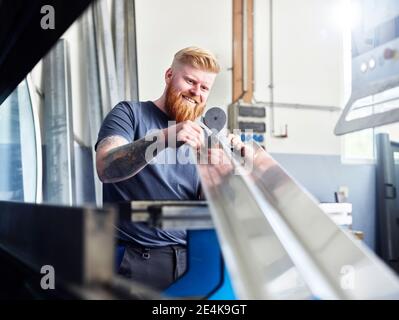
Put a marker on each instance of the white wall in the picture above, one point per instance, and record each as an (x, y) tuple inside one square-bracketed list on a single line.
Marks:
[(308, 69), (308, 60), (309, 132), (307, 51), (166, 26)]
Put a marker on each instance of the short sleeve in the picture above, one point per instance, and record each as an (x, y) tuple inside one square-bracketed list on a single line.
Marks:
[(120, 121)]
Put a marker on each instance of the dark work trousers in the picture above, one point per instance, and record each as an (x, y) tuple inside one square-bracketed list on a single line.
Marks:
[(157, 268)]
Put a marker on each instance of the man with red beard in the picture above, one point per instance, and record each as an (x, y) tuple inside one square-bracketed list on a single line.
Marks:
[(153, 256)]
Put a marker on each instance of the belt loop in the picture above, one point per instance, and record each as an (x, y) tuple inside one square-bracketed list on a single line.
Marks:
[(146, 253)]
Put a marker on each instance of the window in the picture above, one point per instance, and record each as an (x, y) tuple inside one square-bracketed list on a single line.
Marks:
[(358, 147), (18, 154)]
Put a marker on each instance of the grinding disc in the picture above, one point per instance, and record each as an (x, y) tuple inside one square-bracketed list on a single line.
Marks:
[(215, 118)]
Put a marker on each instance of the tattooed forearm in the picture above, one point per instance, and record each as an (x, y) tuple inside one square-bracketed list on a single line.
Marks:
[(125, 161)]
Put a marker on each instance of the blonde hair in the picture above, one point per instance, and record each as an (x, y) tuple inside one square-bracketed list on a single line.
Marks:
[(197, 58)]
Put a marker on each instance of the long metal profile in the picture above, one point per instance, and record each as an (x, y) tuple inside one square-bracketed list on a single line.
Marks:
[(106, 54), (130, 11), (278, 243), (119, 30), (59, 181), (93, 94)]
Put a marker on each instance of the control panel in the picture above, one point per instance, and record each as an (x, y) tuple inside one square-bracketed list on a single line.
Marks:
[(375, 44), (375, 67), (250, 120)]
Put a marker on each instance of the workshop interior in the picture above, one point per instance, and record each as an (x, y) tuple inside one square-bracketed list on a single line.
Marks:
[(311, 86)]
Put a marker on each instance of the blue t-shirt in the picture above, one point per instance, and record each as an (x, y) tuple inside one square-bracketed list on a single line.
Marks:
[(157, 181)]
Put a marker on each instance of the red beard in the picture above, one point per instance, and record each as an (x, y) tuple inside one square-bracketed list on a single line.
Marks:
[(179, 109)]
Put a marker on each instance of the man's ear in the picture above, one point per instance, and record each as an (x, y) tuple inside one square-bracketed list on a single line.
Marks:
[(168, 75)]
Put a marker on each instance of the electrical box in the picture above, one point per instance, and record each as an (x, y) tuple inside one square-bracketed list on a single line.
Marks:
[(250, 120)]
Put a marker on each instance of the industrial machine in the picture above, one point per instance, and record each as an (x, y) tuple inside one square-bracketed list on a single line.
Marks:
[(387, 201), (374, 102), (375, 68)]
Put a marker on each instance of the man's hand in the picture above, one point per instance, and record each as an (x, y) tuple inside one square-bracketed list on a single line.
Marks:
[(185, 132), (236, 143)]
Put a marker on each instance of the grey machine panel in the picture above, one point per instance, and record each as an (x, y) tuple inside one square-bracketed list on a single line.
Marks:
[(374, 98), (78, 242), (276, 240), (387, 201), (66, 238)]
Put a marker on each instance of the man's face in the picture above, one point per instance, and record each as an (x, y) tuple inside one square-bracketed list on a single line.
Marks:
[(187, 91)]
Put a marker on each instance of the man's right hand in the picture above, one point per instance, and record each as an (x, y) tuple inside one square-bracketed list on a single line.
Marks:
[(185, 132)]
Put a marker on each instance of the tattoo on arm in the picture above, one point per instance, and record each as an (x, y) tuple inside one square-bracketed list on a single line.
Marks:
[(125, 161)]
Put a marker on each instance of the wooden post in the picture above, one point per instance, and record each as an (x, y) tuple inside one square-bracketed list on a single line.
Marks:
[(239, 65)]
